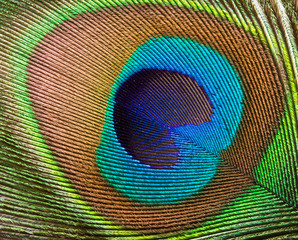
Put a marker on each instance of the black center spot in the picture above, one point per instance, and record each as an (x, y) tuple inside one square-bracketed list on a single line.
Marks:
[(148, 105)]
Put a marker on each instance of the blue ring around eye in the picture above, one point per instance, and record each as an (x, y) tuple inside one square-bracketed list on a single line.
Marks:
[(199, 145)]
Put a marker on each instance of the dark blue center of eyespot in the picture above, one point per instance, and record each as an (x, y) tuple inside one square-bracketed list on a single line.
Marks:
[(148, 105)]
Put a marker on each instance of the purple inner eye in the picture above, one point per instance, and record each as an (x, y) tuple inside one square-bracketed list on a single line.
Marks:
[(148, 105)]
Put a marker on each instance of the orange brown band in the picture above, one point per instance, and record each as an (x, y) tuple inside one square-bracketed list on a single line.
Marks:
[(73, 70)]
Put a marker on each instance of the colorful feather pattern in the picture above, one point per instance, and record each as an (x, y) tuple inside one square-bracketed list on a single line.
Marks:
[(148, 119)]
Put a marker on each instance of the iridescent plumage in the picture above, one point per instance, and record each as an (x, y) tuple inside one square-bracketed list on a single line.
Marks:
[(148, 120)]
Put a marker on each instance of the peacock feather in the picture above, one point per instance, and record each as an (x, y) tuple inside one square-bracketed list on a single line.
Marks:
[(149, 119)]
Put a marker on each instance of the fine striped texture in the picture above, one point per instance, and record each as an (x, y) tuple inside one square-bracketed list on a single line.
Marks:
[(148, 119)]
